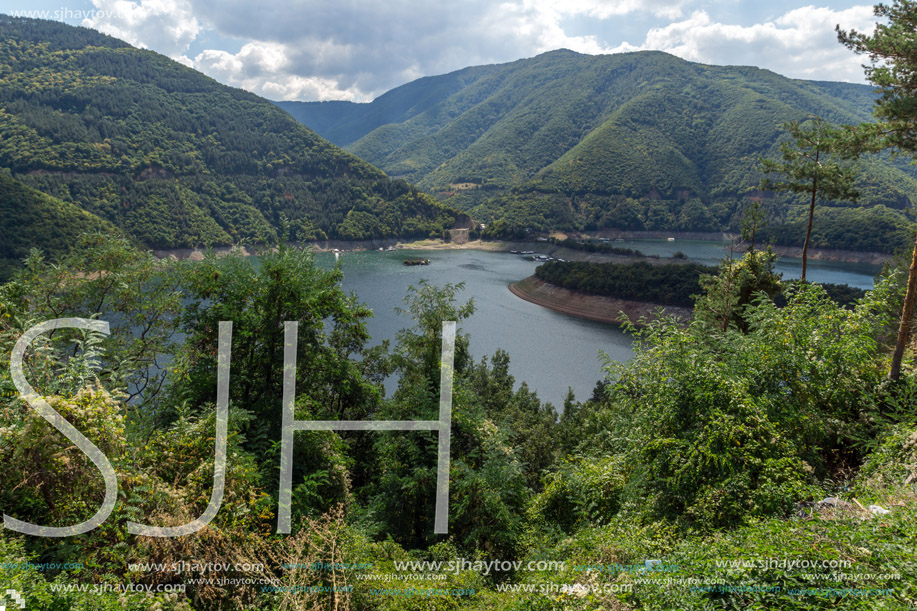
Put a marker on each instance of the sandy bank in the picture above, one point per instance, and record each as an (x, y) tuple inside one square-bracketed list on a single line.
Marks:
[(548, 248), (593, 307)]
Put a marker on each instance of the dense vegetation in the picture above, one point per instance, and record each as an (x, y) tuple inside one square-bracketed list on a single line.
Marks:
[(673, 284), (665, 284), (699, 452), (174, 158), (597, 246), (639, 141), (31, 218), (759, 456)]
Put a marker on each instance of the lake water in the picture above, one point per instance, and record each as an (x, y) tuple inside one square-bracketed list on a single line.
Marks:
[(548, 350), (711, 253)]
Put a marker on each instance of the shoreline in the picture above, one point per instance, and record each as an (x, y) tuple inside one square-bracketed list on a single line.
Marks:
[(592, 307), (815, 254)]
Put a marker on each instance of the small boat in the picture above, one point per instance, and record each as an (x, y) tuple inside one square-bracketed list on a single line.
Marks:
[(671, 239), (527, 252), (514, 252), (416, 262)]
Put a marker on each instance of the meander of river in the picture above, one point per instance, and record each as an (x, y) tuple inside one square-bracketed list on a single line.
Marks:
[(549, 351)]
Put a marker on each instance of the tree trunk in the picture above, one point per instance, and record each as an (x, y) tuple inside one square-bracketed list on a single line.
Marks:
[(805, 246), (904, 329)]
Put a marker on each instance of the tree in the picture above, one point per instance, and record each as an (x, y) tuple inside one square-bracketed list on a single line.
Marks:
[(107, 277), (892, 50), (809, 167), (752, 221), (337, 376), (728, 293)]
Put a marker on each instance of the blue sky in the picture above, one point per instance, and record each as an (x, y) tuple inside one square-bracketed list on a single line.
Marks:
[(358, 49)]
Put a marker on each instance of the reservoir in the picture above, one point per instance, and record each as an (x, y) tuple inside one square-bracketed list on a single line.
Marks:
[(859, 275), (548, 350)]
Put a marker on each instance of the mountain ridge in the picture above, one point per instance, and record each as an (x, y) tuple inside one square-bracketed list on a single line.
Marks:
[(571, 141), (176, 159)]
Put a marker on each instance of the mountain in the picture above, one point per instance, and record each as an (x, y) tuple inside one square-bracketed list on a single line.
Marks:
[(175, 159), (30, 218), (634, 141)]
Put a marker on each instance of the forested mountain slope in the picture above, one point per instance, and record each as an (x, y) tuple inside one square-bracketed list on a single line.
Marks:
[(176, 159), (30, 218), (635, 141)]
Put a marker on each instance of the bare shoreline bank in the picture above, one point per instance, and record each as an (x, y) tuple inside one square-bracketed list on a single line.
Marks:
[(819, 254), (591, 307)]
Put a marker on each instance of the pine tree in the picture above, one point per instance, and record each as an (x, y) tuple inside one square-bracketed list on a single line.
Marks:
[(810, 166), (892, 50)]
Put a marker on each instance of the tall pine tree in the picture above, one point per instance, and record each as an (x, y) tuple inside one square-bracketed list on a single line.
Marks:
[(892, 50)]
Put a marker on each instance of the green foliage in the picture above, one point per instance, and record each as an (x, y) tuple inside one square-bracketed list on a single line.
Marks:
[(769, 564), (889, 231), (338, 377), (492, 436), (809, 167), (891, 47), (114, 135), (36, 588), (29, 219), (580, 491), (639, 141), (665, 284), (738, 283), (598, 246), (719, 427), (808, 164), (106, 277), (696, 452)]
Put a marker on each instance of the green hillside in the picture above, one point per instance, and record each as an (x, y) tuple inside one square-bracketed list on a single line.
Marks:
[(642, 141), (176, 159), (33, 219)]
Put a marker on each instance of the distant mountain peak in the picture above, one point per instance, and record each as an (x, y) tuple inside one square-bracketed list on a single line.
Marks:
[(630, 140)]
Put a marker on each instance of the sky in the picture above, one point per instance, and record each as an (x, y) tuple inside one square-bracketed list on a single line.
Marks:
[(359, 49)]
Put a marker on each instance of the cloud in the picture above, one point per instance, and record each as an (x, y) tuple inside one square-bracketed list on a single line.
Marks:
[(603, 9), (801, 43), (264, 68), (360, 49), (167, 26), (356, 49)]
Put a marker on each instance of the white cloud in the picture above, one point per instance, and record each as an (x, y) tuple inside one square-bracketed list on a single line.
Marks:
[(261, 68), (362, 48), (356, 49), (801, 43), (603, 9), (167, 26)]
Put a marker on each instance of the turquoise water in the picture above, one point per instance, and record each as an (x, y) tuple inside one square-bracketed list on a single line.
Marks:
[(711, 253), (548, 350)]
